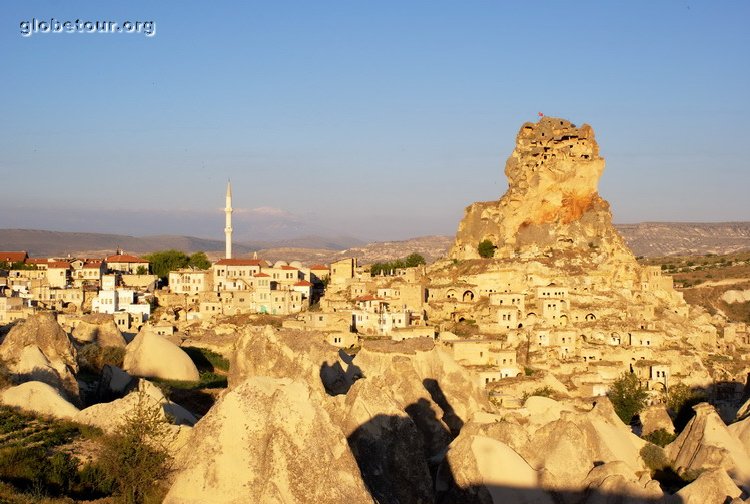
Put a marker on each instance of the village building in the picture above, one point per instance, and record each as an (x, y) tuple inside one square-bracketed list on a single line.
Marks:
[(127, 264), (190, 281)]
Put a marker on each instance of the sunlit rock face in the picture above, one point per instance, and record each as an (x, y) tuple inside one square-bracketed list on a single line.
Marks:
[(552, 199)]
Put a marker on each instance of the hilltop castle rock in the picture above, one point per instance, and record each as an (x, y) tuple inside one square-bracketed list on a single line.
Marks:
[(552, 199)]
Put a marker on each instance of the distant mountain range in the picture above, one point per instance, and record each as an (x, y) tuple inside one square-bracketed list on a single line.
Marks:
[(648, 239), (40, 243)]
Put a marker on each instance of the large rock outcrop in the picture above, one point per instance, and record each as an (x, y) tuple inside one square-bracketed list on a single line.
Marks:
[(111, 415), (40, 398), (485, 470), (152, 356), (265, 351), (399, 404), (706, 443), (268, 440), (38, 349), (552, 198), (712, 487), (100, 329), (575, 453)]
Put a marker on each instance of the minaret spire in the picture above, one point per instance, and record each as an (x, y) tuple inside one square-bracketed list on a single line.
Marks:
[(228, 228)]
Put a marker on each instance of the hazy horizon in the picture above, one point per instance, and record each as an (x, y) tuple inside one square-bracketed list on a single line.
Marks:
[(376, 121)]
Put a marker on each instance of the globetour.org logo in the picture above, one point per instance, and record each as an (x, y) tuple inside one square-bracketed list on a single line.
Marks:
[(28, 28)]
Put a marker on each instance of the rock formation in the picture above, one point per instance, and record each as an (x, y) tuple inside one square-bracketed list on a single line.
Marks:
[(40, 398), (552, 198), (264, 351), (712, 486), (100, 329), (39, 349), (151, 356), (741, 430), (268, 440), (706, 443), (109, 416), (655, 418)]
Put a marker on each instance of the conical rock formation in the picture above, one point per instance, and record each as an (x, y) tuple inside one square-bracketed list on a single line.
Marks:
[(268, 440), (552, 198), (38, 349)]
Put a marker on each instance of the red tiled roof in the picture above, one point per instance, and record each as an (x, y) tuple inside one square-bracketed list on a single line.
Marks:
[(58, 264), (302, 283), (259, 275), (92, 265), (241, 262), (13, 255), (37, 260), (289, 268), (319, 267), (125, 259)]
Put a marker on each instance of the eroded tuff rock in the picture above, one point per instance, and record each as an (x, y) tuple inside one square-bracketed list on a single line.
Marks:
[(39, 349), (400, 417), (706, 443), (654, 418), (152, 356), (40, 398), (485, 470), (398, 404), (616, 481), (265, 351), (552, 198), (111, 415), (712, 487), (268, 440), (741, 430), (100, 329), (581, 454)]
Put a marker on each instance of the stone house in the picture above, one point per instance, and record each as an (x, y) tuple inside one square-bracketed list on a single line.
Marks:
[(58, 274), (190, 281), (343, 270), (127, 264)]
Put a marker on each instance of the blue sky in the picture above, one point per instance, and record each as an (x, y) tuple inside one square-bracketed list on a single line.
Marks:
[(380, 120)]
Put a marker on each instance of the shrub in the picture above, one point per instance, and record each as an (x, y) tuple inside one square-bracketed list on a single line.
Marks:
[(628, 396), (136, 457), (541, 392), (411, 261), (92, 358), (654, 457), (486, 249), (660, 437), (207, 360)]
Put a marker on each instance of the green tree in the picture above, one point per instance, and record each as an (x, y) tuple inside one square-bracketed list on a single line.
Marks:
[(142, 270), (386, 267), (199, 260), (164, 261), (628, 396), (486, 249), (414, 260), (136, 457)]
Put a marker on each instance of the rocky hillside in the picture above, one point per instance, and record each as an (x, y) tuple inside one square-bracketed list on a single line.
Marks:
[(720, 284), (652, 239)]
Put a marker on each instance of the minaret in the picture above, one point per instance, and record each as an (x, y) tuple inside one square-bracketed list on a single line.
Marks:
[(228, 228)]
